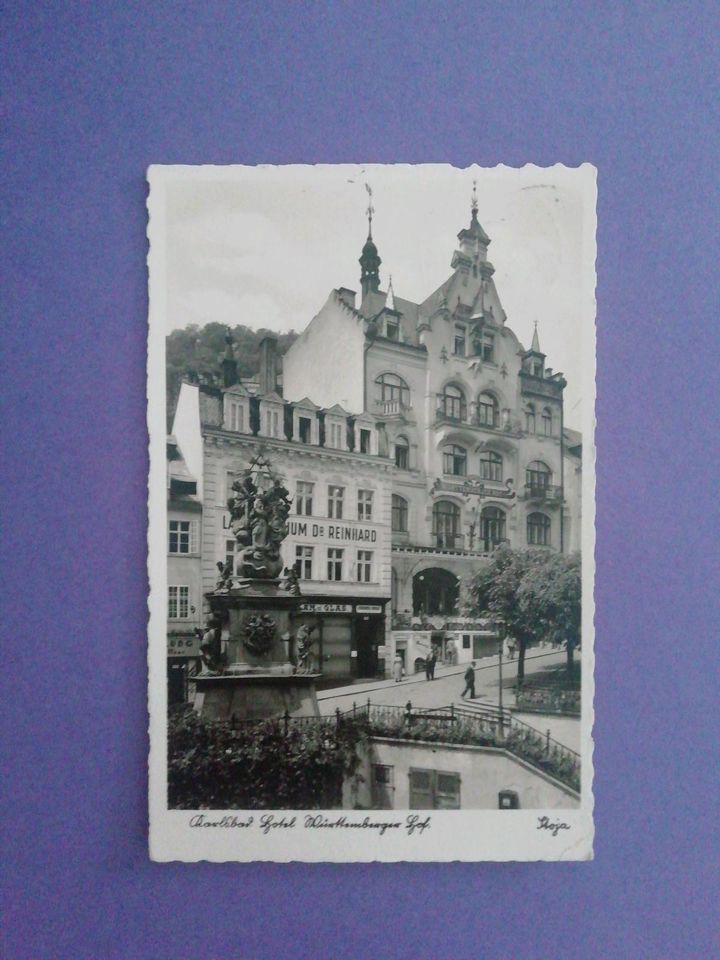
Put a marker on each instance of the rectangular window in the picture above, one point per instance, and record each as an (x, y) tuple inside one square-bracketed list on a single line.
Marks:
[(230, 552), (365, 504), (305, 428), (459, 343), (466, 641), (365, 441), (334, 563), (434, 790), (182, 536), (304, 498), (178, 603), (303, 562), (335, 502), (392, 329), (402, 459), (364, 566)]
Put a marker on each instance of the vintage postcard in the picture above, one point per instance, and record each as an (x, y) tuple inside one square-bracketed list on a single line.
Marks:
[(371, 512)]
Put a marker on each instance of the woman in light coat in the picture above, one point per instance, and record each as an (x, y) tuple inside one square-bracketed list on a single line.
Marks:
[(397, 668)]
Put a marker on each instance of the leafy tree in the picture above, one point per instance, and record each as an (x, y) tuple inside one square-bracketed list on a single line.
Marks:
[(536, 594)]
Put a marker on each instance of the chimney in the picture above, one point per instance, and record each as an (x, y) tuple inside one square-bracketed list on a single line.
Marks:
[(347, 296), (267, 375)]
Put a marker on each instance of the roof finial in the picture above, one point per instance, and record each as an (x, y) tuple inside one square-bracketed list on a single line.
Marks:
[(370, 210), (474, 204)]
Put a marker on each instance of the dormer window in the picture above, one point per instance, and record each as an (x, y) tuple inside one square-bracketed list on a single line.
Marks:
[(536, 368), (392, 328), (272, 423), (365, 441), (237, 415)]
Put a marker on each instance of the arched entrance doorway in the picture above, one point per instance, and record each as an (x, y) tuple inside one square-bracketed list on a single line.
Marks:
[(435, 592)]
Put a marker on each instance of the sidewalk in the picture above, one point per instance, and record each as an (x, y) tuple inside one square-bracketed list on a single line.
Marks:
[(359, 691)]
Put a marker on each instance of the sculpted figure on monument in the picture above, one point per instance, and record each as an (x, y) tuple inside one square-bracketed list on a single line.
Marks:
[(304, 643), (225, 572), (259, 508), (291, 582), (211, 654)]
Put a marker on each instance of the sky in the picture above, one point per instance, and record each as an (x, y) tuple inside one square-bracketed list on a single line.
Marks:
[(264, 246)]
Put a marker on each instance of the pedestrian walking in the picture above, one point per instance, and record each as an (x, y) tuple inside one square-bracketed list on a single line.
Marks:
[(511, 648), (397, 668), (432, 660), (469, 682)]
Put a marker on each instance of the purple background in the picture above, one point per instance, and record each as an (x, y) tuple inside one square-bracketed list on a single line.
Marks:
[(96, 92)]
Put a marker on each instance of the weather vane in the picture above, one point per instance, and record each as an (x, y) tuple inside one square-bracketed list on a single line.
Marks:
[(474, 205), (370, 210)]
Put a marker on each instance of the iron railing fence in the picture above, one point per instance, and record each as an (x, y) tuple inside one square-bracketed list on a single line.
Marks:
[(563, 700), (479, 726)]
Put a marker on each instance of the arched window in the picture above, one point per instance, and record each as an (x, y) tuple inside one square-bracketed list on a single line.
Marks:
[(488, 410), (455, 461), (490, 465), (547, 421), (446, 523), (538, 530), (530, 418), (537, 476), (399, 514), (492, 527), (393, 388), (452, 403), (402, 454)]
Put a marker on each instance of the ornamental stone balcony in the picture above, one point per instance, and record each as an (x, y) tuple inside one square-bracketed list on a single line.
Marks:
[(543, 492)]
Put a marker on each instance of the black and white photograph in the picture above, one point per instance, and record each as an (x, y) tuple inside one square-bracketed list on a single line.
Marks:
[(371, 410)]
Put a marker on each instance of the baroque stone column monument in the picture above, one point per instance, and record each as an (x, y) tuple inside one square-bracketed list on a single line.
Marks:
[(247, 643)]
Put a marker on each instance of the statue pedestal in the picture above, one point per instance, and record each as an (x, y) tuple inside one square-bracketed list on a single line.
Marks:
[(256, 696), (259, 681)]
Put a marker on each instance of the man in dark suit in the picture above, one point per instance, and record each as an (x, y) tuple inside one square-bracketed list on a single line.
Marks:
[(469, 682)]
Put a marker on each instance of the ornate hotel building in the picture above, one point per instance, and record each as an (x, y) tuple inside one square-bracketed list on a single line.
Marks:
[(471, 421)]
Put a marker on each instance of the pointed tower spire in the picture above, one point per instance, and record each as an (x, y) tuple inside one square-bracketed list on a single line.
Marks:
[(229, 363), (535, 346), (474, 202), (369, 259), (390, 299)]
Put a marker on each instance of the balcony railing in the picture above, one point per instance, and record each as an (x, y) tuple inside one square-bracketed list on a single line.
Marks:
[(392, 408), (547, 492)]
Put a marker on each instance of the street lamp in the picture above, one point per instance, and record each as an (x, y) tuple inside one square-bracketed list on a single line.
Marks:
[(500, 624)]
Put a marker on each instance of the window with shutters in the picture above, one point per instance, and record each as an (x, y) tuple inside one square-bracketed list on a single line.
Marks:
[(434, 790), (182, 536), (178, 603)]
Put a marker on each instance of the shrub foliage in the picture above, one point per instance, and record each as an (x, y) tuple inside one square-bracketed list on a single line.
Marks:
[(259, 766)]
